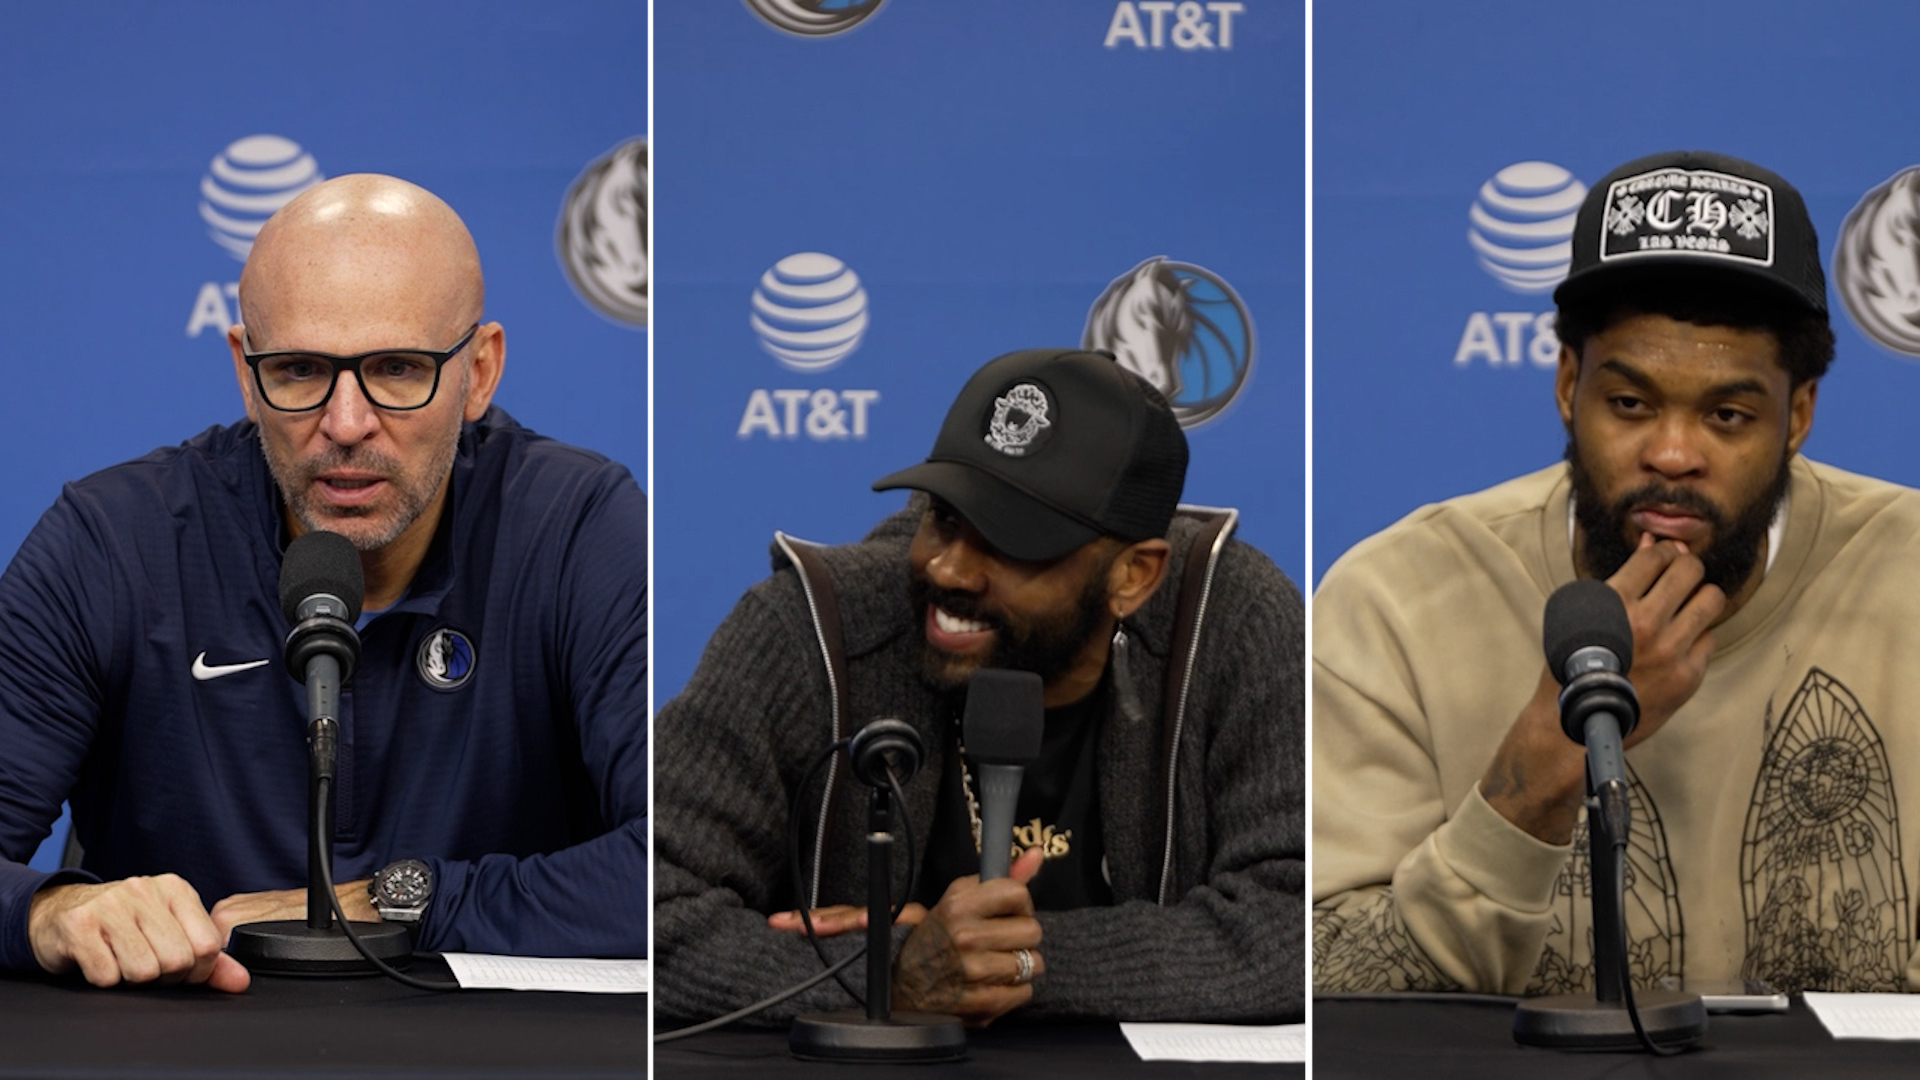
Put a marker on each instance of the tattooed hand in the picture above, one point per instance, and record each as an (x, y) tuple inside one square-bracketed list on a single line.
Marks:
[(1538, 776), (962, 959)]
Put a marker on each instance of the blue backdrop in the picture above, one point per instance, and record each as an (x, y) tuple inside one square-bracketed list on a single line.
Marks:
[(115, 291), (1447, 136), (899, 192)]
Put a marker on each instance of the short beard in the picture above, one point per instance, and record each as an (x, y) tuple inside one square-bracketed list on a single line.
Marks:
[(295, 480), (1049, 648), (1729, 559)]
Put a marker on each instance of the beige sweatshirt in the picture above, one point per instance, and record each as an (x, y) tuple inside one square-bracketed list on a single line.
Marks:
[(1766, 831)]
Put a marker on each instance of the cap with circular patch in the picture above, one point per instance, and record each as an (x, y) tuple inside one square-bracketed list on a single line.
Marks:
[(1047, 449), (1697, 210)]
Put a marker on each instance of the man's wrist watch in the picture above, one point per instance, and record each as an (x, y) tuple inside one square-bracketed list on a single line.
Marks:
[(400, 890)]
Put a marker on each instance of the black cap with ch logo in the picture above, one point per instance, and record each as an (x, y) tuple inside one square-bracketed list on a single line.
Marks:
[(1698, 212)]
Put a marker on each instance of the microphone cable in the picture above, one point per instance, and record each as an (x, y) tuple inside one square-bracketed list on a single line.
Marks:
[(802, 900), (833, 969), (759, 1006), (1626, 977), (333, 901)]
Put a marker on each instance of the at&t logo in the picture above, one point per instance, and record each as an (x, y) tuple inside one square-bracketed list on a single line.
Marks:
[(244, 185), (809, 311), (1520, 227), (1187, 26)]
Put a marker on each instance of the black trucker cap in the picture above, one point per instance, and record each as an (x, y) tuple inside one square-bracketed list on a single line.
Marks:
[(1047, 449), (1698, 211)]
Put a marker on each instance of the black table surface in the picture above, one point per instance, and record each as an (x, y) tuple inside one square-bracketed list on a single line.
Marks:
[(1417, 1038), (316, 1028), (1054, 1051)]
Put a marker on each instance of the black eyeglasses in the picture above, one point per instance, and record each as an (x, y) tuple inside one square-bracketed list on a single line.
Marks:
[(395, 379)]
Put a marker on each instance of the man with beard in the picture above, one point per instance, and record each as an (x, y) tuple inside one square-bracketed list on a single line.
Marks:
[(1162, 870), (1767, 603), (492, 743)]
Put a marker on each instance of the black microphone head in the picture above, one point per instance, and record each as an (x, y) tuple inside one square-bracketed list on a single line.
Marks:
[(885, 746), (321, 562), (1585, 613), (1005, 717)]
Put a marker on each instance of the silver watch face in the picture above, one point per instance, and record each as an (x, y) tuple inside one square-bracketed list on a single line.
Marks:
[(406, 884)]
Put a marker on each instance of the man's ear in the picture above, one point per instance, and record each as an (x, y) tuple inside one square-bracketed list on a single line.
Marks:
[(1800, 413), (489, 351), (1566, 379), (242, 372), (1136, 572)]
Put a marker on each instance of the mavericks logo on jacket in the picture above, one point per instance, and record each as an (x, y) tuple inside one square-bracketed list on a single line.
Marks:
[(445, 659)]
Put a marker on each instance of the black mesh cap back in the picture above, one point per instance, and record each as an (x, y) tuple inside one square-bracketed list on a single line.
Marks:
[(1143, 503)]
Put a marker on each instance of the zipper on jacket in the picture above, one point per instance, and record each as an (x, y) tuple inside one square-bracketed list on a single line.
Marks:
[(833, 697), (1186, 678)]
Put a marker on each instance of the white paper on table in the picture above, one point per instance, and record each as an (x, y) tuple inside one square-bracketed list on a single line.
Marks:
[(1867, 1016), (479, 971), (1217, 1042)]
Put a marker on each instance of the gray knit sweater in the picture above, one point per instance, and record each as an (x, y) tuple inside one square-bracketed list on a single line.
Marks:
[(729, 751)]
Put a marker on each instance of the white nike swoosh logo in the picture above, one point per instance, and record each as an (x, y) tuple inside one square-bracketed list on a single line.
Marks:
[(204, 671)]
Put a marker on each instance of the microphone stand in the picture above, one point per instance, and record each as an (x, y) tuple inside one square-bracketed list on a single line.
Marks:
[(1605, 1020), (316, 945), (878, 1033)]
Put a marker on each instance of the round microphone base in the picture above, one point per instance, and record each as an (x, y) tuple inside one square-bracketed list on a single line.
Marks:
[(291, 947), (1580, 1022), (848, 1035)]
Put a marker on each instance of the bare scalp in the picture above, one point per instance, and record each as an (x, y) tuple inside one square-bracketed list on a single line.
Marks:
[(345, 250)]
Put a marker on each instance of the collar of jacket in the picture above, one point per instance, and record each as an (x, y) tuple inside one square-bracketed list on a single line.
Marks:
[(1133, 745)]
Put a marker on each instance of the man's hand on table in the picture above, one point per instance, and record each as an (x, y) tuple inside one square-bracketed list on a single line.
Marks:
[(141, 929), (290, 904), (961, 958), (155, 929)]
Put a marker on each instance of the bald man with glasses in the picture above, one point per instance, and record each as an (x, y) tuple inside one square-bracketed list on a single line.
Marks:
[(493, 741)]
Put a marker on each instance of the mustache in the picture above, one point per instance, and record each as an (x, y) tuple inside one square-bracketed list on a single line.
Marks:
[(1657, 494), (964, 605), (336, 456)]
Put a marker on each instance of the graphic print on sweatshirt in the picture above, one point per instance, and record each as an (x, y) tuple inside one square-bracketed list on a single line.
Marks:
[(1656, 938), (1822, 887)]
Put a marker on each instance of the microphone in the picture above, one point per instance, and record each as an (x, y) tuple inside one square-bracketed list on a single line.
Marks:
[(1589, 646), (1002, 727), (321, 589), (884, 754), (886, 747)]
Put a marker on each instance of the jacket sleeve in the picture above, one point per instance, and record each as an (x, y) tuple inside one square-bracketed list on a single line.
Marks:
[(731, 749), (56, 615), (1410, 892), (589, 899), (1232, 946)]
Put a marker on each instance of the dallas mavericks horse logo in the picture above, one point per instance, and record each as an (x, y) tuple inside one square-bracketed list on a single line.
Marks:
[(445, 660), (602, 234), (1876, 264), (814, 18), (1181, 328)]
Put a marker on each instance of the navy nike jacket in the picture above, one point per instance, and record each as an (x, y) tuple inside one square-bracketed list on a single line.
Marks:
[(496, 727)]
